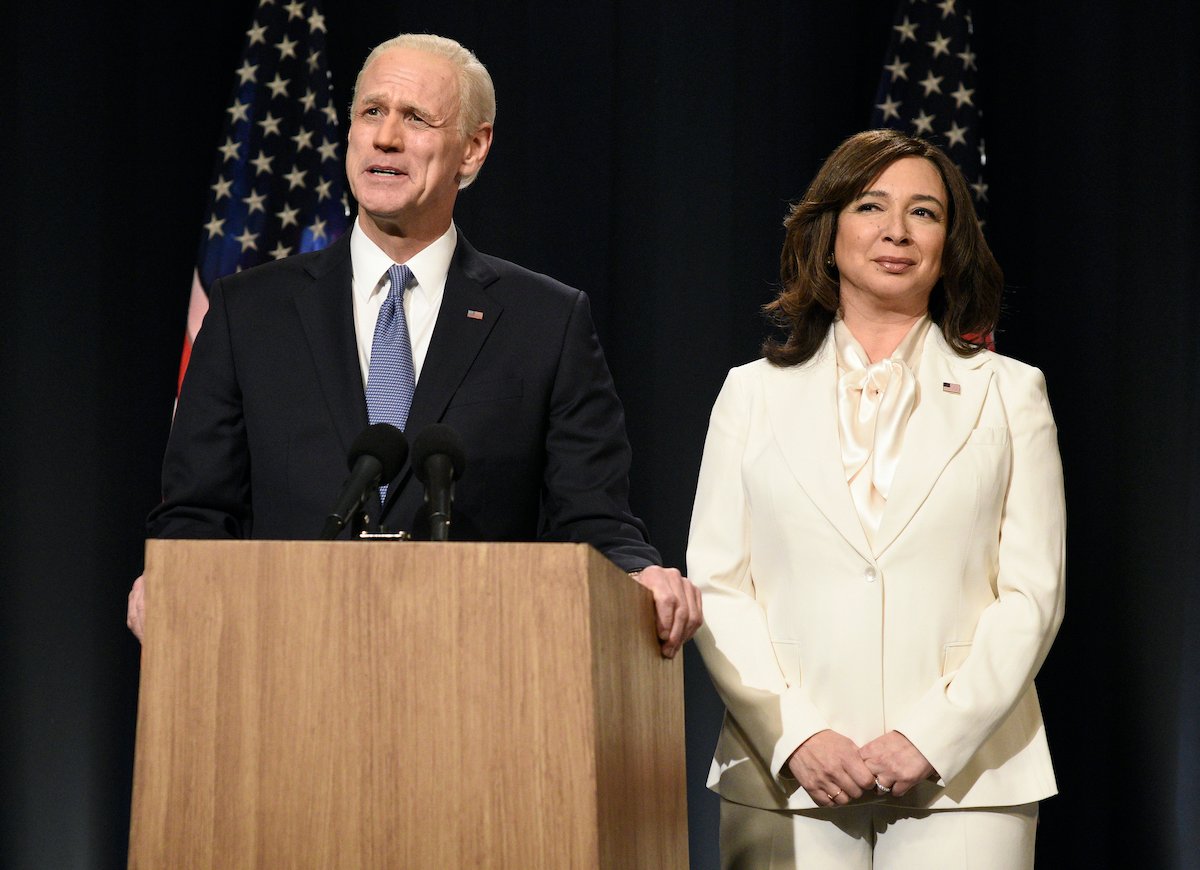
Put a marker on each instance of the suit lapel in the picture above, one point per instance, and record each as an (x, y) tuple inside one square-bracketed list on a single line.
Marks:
[(467, 316), (802, 409), (942, 423), (327, 317)]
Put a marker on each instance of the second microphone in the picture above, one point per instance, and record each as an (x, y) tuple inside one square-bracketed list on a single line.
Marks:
[(438, 460)]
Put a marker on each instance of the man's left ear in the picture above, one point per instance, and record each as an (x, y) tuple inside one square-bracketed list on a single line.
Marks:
[(476, 150)]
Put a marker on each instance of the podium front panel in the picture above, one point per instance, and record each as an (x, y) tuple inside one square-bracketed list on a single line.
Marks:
[(401, 704)]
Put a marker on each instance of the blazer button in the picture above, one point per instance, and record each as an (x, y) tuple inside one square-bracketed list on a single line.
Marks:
[(869, 575)]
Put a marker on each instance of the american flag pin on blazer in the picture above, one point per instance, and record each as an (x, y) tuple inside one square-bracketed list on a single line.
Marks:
[(948, 387), (474, 315)]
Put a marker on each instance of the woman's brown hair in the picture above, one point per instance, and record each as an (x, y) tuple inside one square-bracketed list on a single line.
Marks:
[(965, 302)]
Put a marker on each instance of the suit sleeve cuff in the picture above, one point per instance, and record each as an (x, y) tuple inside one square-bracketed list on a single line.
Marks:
[(801, 720)]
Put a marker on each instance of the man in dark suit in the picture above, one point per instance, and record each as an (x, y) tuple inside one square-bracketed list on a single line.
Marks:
[(274, 393)]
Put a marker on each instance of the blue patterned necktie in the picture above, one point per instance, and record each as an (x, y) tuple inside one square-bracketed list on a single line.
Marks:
[(391, 378)]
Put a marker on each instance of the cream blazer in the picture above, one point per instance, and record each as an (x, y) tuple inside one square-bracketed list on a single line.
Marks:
[(937, 633)]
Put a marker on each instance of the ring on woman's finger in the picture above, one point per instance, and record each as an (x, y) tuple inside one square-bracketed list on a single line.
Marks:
[(881, 788), (834, 797)]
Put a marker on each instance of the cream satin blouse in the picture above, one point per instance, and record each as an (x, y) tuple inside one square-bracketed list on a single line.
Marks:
[(875, 402)]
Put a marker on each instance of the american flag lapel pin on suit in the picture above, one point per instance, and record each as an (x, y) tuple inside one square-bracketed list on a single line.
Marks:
[(474, 315), (948, 387)]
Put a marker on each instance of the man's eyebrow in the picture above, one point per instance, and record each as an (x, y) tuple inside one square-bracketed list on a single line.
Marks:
[(381, 98)]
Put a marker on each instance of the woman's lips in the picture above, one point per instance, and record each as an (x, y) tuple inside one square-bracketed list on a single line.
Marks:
[(894, 264)]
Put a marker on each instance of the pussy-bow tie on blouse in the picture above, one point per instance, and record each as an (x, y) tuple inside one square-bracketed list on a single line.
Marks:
[(875, 401)]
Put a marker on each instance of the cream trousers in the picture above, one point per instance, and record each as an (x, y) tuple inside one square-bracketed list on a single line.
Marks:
[(878, 837)]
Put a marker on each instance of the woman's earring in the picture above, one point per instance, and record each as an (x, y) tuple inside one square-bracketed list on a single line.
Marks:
[(829, 261)]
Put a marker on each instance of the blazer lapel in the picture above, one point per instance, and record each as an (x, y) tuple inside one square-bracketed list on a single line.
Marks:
[(467, 316), (952, 390), (802, 409), (327, 317)]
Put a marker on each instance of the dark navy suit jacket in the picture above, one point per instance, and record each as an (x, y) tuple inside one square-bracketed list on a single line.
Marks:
[(273, 399)]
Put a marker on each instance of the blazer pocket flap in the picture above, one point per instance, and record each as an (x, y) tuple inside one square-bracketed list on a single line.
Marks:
[(953, 655), (988, 435), (488, 391)]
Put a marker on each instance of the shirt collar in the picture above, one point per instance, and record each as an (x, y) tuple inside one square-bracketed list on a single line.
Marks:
[(429, 266)]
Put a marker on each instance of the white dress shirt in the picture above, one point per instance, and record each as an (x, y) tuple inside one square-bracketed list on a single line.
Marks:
[(422, 298)]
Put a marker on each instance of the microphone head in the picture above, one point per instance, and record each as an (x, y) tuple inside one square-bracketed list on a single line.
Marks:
[(384, 442), (438, 439)]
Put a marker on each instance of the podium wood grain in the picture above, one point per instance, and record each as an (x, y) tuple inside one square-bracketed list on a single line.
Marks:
[(403, 705)]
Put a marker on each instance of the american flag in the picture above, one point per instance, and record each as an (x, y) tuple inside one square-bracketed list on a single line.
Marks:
[(929, 85), (278, 186)]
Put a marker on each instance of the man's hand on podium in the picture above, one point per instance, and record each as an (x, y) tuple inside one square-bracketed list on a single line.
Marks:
[(136, 614), (676, 605)]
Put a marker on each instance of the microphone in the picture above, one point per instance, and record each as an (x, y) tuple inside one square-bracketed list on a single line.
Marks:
[(376, 455), (438, 460)]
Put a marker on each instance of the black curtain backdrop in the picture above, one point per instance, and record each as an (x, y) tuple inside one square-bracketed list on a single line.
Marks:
[(645, 152)]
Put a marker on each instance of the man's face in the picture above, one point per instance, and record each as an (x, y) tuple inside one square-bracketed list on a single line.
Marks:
[(405, 154)]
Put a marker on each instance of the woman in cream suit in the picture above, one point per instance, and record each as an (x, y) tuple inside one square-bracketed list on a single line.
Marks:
[(878, 534)]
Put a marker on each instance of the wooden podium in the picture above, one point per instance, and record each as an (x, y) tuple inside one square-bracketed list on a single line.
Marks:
[(403, 705)]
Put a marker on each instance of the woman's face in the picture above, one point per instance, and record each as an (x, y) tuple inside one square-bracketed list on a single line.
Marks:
[(888, 247)]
